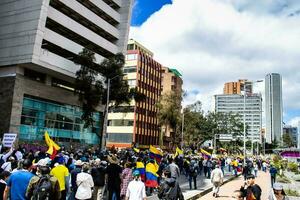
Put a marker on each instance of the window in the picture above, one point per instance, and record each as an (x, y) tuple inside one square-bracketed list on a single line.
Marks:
[(130, 69), (120, 122), (131, 57), (120, 137), (34, 75)]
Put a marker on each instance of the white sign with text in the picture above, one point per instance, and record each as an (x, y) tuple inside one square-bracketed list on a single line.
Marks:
[(9, 139)]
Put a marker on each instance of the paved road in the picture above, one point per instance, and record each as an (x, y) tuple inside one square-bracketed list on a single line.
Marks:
[(263, 180), (202, 184)]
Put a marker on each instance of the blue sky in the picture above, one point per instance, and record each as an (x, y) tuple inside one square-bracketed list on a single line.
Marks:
[(144, 8), (215, 41)]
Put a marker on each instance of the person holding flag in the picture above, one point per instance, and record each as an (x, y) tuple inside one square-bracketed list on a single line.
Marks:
[(151, 176), (155, 153), (141, 168)]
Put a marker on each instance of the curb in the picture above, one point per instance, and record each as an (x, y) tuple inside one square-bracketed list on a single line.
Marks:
[(208, 190)]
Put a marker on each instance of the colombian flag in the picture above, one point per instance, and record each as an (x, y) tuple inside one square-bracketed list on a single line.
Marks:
[(141, 167), (151, 175), (205, 153), (155, 153), (53, 147)]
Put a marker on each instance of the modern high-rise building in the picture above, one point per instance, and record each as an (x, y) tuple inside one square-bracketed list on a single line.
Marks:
[(171, 83), (237, 87), (234, 103), (137, 123), (273, 102), (39, 41)]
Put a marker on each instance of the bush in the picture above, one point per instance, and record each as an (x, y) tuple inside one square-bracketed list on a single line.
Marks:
[(283, 179), (293, 167), (293, 193)]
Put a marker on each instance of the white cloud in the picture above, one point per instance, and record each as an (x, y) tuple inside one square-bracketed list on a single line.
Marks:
[(294, 122), (215, 41)]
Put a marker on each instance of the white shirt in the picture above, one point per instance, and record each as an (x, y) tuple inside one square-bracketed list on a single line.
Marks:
[(85, 183), (217, 175), (136, 190)]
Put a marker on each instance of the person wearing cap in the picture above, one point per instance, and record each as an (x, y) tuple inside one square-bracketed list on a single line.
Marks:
[(250, 190), (74, 173), (43, 171), (217, 180), (136, 188), (61, 172), (277, 193)]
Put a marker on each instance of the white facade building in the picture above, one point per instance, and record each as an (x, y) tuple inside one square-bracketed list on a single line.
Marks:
[(234, 103), (273, 99)]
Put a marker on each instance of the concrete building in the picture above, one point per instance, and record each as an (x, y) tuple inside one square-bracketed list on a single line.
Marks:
[(171, 82), (293, 132), (234, 103), (237, 87), (39, 41), (273, 99), (137, 123)]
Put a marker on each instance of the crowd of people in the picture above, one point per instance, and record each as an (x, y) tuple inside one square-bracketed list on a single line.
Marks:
[(117, 174)]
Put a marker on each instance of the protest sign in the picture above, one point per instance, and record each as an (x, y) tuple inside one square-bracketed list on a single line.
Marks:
[(9, 139)]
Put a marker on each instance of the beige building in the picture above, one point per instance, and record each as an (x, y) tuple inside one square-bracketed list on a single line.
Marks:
[(137, 123), (171, 82)]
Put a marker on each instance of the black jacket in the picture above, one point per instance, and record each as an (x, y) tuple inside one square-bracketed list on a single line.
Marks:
[(170, 190), (254, 189)]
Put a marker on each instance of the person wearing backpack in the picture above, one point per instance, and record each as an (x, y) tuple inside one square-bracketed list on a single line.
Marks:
[(193, 171), (169, 188), (43, 186), (252, 191)]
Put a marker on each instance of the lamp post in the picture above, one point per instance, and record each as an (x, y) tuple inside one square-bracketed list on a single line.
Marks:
[(105, 134), (245, 93)]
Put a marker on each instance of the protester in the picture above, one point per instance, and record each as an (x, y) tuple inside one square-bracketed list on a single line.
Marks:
[(277, 193), (136, 188), (193, 171), (114, 172), (252, 191), (169, 188), (126, 178), (3, 178), (17, 182), (43, 186), (61, 172), (173, 168), (217, 177), (74, 173), (98, 174), (84, 183)]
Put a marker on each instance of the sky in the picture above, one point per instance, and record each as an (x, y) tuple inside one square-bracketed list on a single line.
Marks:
[(216, 41)]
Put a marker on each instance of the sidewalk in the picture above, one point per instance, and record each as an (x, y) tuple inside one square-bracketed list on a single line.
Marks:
[(263, 180)]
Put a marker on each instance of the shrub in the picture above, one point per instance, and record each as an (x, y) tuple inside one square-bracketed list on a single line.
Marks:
[(293, 167), (283, 179), (293, 193)]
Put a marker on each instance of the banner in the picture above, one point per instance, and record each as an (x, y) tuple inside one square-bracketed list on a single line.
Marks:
[(9, 139)]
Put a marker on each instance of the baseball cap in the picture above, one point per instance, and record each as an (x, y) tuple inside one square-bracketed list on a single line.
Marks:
[(250, 176), (136, 173)]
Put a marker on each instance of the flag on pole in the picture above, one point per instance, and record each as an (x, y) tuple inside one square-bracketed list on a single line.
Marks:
[(53, 147), (155, 153), (205, 153), (151, 175)]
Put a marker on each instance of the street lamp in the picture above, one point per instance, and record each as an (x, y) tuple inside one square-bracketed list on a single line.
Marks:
[(245, 84), (107, 105)]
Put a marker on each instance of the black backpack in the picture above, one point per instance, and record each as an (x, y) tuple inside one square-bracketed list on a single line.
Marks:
[(42, 190)]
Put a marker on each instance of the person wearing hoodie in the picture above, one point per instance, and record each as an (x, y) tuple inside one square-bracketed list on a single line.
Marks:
[(85, 183), (169, 188)]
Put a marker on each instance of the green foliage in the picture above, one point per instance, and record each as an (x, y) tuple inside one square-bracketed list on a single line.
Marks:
[(293, 193), (292, 167), (90, 89), (287, 140), (283, 179)]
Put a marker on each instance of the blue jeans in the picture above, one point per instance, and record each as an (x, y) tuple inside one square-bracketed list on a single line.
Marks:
[(195, 181)]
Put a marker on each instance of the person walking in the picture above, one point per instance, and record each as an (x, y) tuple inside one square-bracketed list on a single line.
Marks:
[(85, 183), (255, 167), (98, 174), (169, 188), (74, 173), (43, 186), (113, 178), (136, 188), (273, 173), (204, 164), (251, 190), (174, 169), (3, 179), (126, 178), (18, 182), (61, 172), (217, 177), (193, 171)]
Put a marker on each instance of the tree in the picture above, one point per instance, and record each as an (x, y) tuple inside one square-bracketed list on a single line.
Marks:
[(90, 88), (168, 115), (287, 140)]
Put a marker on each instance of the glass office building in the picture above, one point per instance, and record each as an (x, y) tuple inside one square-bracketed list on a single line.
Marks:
[(63, 122)]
